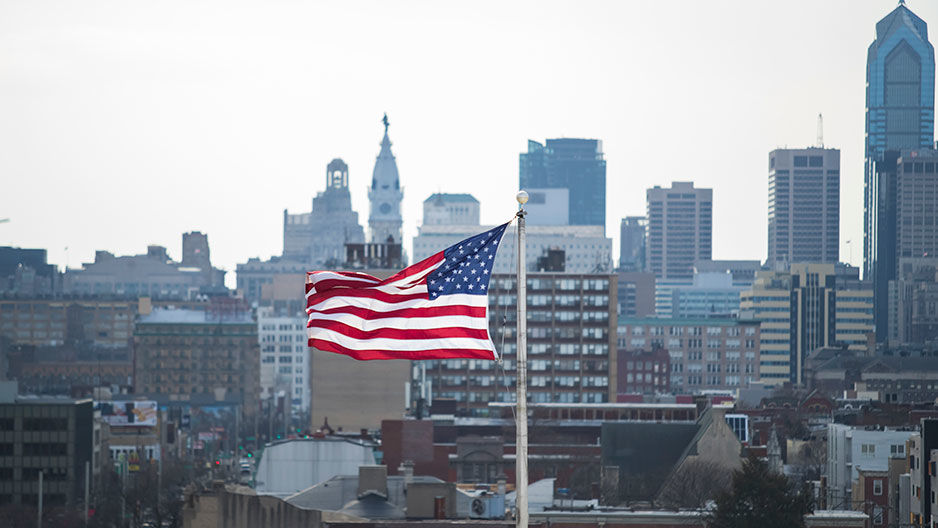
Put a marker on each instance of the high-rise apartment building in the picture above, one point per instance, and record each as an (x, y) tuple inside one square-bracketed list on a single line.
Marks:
[(805, 308), (573, 164), (385, 196), (804, 206), (680, 230), (571, 345), (900, 114), (284, 366), (632, 243)]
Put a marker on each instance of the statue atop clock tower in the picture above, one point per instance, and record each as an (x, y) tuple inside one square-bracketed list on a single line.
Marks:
[(385, 195)]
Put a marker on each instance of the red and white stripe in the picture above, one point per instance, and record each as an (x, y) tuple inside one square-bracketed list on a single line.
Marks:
[(367, 318)]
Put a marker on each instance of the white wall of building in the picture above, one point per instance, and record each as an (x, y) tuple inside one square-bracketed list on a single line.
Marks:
[(294, 465), (284, 358)]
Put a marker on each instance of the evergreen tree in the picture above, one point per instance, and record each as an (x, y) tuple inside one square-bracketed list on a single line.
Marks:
[(761, 498)]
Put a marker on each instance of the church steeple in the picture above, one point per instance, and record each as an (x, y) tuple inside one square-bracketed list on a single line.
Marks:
[(385, 195)]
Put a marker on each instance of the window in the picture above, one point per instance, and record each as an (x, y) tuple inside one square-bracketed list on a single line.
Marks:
[(877, 487), (868, 449)]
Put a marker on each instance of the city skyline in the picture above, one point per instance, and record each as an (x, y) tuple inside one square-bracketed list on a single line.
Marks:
[(133, 114)]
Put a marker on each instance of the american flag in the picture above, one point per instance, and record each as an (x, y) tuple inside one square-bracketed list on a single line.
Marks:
[(435, 309)]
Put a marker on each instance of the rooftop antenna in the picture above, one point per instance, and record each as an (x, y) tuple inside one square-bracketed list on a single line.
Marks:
[(820, 131)]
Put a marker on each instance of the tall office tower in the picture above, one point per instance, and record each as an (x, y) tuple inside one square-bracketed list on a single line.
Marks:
[(900, 114), (632, 243), (573, 164), (680, 228), (318, 238), (806, 307), (385, 195), (804, 206)]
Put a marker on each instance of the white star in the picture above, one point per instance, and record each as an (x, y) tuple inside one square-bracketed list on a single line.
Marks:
[(459, 286), (485, 272), (482, 286), (470, 286), (478, 279), (490, 257), (473, 272), (432, 282), (465, 279), (460, 247), (486, 250), (440, 287)]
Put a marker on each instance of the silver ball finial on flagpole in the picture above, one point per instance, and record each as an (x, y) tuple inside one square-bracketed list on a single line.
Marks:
[(522, 197)]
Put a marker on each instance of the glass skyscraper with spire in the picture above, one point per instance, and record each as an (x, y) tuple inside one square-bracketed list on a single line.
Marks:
[(900, 115)]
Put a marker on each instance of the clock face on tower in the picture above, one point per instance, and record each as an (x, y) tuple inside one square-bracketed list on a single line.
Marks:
[(385, 208)]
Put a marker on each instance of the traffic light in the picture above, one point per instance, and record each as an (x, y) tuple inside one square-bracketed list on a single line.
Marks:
[(250, 454), (217, 462)]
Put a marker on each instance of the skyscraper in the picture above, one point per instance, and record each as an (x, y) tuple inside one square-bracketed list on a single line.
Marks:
[(573, 164), (900, 114), (385, 195), (680, 230), (804, 206), (632, 243)]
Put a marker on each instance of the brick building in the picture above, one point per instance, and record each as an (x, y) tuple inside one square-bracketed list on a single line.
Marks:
[(705, 354), (182, 353), (644, 372)]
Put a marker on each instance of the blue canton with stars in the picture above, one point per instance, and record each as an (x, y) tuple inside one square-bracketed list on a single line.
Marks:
[(467, 266)]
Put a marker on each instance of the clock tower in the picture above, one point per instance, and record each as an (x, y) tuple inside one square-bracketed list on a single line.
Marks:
[(385, 195)]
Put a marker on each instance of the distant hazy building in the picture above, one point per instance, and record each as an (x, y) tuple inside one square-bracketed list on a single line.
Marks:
[(804, 309), (705, 354), (78, 322), (548, 207), (585, 248), (257, 280), (450, 209), (153, 274), (284, 366), (710, 294), (385, 196), (573, 164), (318, 237), (26, 272), (913, 302), (632, 243), (804, 206), (680, 230), (636, 294), (208, 356)]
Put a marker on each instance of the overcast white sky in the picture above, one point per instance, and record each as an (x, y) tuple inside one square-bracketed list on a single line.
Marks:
[(126, 123)]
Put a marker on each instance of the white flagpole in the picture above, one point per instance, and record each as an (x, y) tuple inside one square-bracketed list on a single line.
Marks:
[(521, 367)]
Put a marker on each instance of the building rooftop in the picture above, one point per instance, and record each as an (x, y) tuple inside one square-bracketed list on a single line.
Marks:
[(452, 197), (186, 316), (683, 322)]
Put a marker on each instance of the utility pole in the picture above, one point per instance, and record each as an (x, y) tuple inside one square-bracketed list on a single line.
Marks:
[(87, 484), (39, 517), (521, 369)]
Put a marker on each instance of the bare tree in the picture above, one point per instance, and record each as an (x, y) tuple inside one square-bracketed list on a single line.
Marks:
[(694, 484)]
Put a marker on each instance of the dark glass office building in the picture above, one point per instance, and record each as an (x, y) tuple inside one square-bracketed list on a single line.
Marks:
[(900, 114), (573, 164)]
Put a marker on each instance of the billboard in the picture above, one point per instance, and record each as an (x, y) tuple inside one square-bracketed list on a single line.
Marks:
[(122, 413)]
